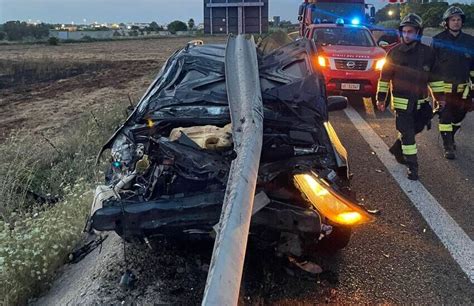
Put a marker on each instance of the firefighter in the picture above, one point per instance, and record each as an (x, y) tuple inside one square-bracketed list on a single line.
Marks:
[(455, 54), (408, 73)]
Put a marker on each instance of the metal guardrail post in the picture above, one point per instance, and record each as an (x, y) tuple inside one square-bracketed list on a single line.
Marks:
[(245, 101)]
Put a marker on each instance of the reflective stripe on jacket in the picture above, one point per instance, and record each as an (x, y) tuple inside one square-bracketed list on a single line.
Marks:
[(408, 72)]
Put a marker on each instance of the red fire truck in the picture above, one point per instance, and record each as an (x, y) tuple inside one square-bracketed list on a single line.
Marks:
[(349, 55), (328, 11)]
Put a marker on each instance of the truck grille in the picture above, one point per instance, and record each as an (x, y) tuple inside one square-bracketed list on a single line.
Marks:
[(350, 64)]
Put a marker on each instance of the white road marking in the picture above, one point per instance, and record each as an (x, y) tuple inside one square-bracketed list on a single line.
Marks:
[(458, 243)]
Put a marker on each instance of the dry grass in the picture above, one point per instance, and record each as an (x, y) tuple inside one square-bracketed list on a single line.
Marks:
[(35, 239)]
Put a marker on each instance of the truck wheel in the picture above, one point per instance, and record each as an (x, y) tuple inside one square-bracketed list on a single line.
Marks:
[(337, 240)]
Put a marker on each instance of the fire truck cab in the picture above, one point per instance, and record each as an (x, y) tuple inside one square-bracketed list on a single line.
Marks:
[(349, 57), (328, 11)]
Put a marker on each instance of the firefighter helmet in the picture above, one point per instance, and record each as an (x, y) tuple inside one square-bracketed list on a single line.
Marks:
[(454, 10), (412, 20)]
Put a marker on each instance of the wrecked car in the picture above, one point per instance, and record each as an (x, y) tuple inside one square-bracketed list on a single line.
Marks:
[(170, 160)]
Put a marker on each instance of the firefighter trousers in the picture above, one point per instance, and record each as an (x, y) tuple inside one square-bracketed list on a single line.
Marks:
[(406, 125), (451, 116)]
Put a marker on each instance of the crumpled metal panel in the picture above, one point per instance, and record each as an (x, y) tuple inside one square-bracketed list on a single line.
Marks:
[(195, 164)]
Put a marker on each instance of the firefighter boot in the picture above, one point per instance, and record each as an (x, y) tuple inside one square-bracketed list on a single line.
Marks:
[(412, 163), (448, 145), (396, 150)]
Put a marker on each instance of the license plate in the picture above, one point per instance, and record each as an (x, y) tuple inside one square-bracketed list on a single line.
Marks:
[(350, 86)]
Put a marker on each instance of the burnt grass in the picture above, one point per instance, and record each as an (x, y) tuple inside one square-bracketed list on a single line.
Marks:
[(24, 73), (46, 77)]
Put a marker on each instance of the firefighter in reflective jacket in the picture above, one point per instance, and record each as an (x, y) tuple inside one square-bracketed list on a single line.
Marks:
[(408, 73), (455, 54)]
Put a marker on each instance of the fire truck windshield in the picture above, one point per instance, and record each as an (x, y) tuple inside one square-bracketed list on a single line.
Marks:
[(343, 36), (329, 12)]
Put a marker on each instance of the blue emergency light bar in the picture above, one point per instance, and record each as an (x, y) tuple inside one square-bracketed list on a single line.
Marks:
[(355, 21)]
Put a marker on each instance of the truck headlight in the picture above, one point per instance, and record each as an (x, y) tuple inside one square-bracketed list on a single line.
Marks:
[(379, 64), (329, 203)]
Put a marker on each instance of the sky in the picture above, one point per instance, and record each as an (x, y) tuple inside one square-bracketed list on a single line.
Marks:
[(102, 11)]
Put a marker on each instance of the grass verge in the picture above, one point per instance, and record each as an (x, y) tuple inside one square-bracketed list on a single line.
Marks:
[(45, 195)]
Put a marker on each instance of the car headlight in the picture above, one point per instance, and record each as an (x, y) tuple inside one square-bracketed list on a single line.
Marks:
[(322, 61), (379, 64), (328, 202)]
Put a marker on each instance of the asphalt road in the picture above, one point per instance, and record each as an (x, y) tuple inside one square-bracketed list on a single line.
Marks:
[(398, 259)]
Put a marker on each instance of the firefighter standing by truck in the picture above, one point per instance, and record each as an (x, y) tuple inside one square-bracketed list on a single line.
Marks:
[(455, 55), (408, 72)]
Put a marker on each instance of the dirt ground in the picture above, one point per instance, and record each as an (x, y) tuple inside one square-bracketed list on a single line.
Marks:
[(102, 73), (169, 273), (175, 272)]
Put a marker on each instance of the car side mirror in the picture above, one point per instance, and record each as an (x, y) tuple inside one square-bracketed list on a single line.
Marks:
[(383, 43), (336, 103)]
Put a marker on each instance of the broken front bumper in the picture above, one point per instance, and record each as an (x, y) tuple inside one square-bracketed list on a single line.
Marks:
[(197, 214)]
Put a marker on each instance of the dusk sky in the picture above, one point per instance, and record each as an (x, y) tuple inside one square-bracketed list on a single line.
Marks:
[(161, 11)]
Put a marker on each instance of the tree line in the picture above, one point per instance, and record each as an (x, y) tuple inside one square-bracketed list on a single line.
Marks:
[(17, 30), (432, 13), (20, 30)]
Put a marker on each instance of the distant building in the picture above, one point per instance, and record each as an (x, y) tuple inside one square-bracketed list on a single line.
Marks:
[(139, 25), (235, 16), (81, 35), (67, 27)]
